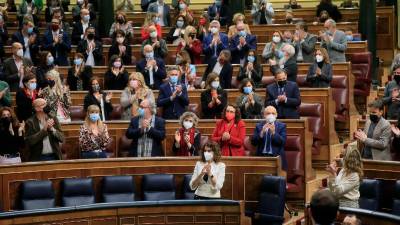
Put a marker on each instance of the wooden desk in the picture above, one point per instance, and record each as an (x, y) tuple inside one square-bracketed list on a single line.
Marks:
[(163, 212), (242, 179)]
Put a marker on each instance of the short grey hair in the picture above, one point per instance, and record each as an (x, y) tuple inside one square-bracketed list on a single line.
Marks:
[(395, 63), (290, 50), (332, 22), (215, 22), (189, 114)]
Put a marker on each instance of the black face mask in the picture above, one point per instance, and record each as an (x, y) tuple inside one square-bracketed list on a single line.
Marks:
[(29, 1), (193, 36), (5, 122), (374, 118), (90, 36), (47, 109), (96, 88), (281, 83), (397, 78), (121, 20), (289, 20), (51, 83)]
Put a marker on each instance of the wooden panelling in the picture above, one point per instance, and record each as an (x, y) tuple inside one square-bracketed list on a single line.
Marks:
[(175, 213)]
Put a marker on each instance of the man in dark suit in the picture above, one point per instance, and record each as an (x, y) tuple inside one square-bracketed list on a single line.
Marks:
[(29, 39), (91, 48), (220, 11), (161, 8), (214, 42), (304, 43), (58, 43), (43, 134), (287, 63), (270, 136), (153, 69), (284, 95), (15, 67), (79, 28), (241, 43), (222, 67), (173, 96), (147, 132)]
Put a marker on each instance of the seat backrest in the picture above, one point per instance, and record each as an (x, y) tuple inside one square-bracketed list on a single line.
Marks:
[(37, 194), (77, 191), (272, 196), (267, 80), (362, 61), (188, 193), (369, 194), (118, 189), (340, 93), (203, 141), (194, 108), (294, 156), (313, 112), (301, 80), (117, 112), (157, 187), (77, 112), (396, 199)]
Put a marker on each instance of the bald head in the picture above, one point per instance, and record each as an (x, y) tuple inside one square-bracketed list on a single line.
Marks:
[(17, 49), (351, 220)]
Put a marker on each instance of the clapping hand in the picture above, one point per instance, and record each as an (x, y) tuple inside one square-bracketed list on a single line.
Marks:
[(206, 169), (177, 137), (225, 136), (318, 71), (21, 128), (250, 66), (282, 98), (332, 168), (271, 127), (396, 131), (115, 71), (108, 97), (395, 95), (272, 62), (360, 135), (50, 124)]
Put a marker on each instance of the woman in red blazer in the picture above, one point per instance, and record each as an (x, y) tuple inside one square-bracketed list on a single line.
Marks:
[(230, 132)]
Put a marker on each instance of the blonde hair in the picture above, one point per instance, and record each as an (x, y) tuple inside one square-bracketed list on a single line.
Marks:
[(139, 77), (237, 16), (90, 109), (189, 29), (352, 161), (55, 75), (187, 115)]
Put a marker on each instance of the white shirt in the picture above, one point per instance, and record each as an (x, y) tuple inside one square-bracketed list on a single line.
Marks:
[(90, 59), (206, 189), (27, 53), (346, 186), (47, 149), (217, 68), (84, 26), (160, 10)]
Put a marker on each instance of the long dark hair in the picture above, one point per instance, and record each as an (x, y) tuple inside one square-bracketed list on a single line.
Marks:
[(215, 148), (14, 119), (237, 113)]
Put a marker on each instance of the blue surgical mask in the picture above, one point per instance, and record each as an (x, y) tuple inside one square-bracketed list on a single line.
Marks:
[(251, 58), (182, 6), (78, 61), (140, 112), (247, 90), (86, 18), (32, 86), (218, 2), (30, 30), (149, 55), (50, 60), (173, 79), (94, 117), (179, 24), (242, 33), (349, 37)]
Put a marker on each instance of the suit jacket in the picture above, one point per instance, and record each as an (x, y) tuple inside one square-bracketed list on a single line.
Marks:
[(211, 53), (85, 76), (126, 58), (241, 53), (215, 112), (336, 48), (380, 141), (61, 50), (157, 133), (225, 76), (11, 74), (175, 108), (225, 16), (235, 145), (144, 4), (322, 81), (290, 67), (393, 109), (288, 109), (159, 52), (77, 32), (277, 140), (97, 52), (256, 13), (153, 7), (307, 48), (24, 108), (34, 138), (33, 48), (158, 75)]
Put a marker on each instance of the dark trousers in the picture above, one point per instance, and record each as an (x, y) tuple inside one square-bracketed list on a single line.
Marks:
[(48, 157), (93, 155)]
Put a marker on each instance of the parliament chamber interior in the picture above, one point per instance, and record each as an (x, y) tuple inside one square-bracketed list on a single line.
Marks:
[(199, 112)]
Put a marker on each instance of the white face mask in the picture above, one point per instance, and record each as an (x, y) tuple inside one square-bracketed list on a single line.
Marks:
[(214, 30), (20, 53), (271, 118), (319, 58), (208, 156), (276, 39), (187, 124)]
